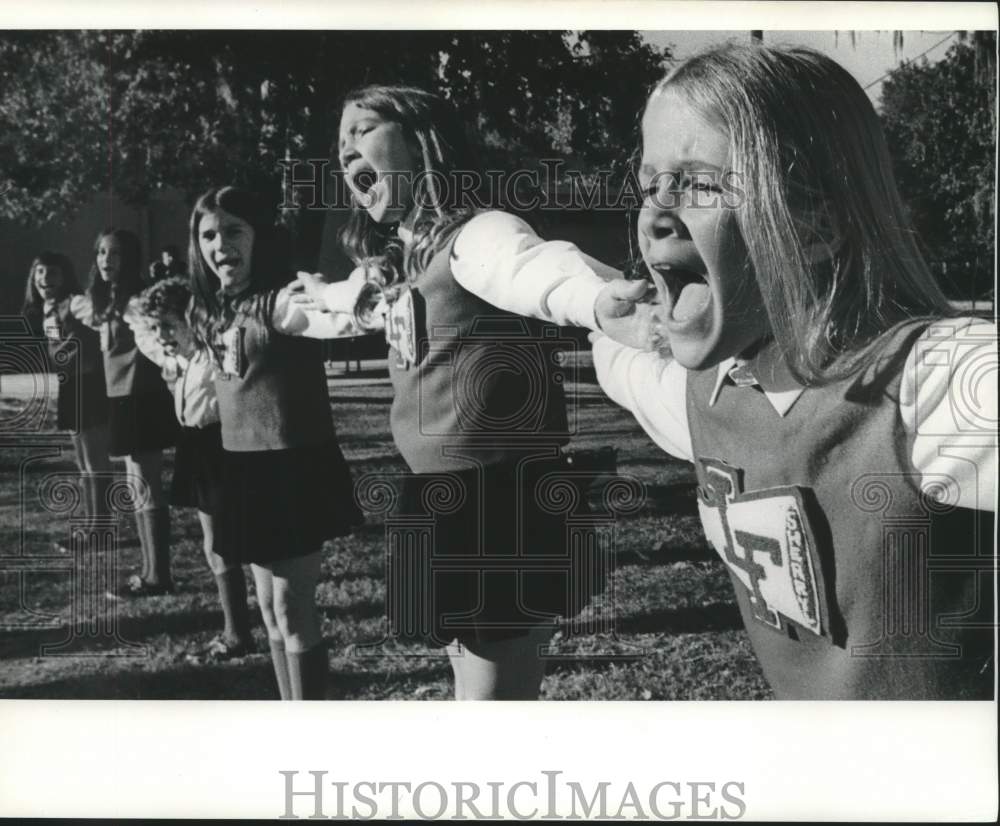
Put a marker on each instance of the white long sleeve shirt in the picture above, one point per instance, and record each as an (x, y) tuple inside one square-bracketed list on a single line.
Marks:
[(947, 401), (499, 258)]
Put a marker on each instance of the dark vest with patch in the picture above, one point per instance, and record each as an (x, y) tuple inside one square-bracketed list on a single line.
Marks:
[(127, 371), (852, 584), (272, 388), (72, 344), (470, 380)]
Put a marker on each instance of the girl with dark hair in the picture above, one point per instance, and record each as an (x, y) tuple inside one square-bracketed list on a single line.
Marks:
[(285, 485), (141, 420)]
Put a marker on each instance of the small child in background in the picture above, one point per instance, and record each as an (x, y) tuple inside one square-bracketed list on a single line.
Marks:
[(158, 319), (168, 265)]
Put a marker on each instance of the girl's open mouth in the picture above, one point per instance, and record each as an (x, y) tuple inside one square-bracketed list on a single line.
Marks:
[(364, 180), (689, 293)]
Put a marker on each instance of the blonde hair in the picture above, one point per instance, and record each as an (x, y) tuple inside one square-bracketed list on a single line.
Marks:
[(814, 168)]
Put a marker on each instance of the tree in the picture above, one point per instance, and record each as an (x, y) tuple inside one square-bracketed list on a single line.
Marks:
[(940, 123), (131, 112)]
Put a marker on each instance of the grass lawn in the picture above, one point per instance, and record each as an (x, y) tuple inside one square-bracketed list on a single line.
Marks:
[(677, 632)]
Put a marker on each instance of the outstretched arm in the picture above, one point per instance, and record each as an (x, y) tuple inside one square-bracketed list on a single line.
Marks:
[(148, 343), (82, 309), (499, 258), (651, 388), (314, 309)]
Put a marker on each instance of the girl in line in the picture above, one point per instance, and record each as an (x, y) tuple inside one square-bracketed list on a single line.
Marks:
[(52, 294), (841, 419), (808, 365), (476, 400), (141, 420), (285, 485), (158, 316)]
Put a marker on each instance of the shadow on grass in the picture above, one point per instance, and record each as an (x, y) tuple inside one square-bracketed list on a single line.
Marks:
[(340, 398), (251, 679), (361, 610), (24, 643), (697, 619), (243, 681), (666, 554), (678, 499)]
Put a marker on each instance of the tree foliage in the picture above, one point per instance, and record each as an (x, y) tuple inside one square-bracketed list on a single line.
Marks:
[(940, 120), (131, 112)]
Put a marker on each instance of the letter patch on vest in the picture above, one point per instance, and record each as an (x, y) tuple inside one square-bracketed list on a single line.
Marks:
[(234, 360), (51, 327), (400, 329), (765, 538)]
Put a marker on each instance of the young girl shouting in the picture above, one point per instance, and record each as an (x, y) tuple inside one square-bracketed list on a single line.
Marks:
[(285, 485), (840, 418), (478, 409)]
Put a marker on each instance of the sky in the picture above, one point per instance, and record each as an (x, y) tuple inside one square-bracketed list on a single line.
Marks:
[(868, 60)]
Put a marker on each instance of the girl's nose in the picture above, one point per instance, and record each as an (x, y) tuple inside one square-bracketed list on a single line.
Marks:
[(348, 152), (657, 221)]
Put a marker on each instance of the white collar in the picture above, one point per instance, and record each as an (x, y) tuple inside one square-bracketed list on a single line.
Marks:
[(781, 401)]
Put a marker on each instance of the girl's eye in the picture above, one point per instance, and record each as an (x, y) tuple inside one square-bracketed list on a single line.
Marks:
[(703, 183)]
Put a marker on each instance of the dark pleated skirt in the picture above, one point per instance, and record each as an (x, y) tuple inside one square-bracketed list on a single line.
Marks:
[(482, 556), (142, 423), (82, 402), (281, 504), (197, 481)]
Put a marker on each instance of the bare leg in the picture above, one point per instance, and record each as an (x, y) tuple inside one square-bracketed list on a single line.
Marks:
[(231, 584), (91, 448), (153, 518), (265, 598), (294, 582), (509, 669)]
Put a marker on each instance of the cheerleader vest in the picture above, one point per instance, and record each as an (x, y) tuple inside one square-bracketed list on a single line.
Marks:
[(70, 341), (272, 388), (852, 584), (472, 383), (127, 371)]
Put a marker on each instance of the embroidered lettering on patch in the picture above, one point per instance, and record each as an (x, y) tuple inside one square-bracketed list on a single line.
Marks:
[(51, 327), (765, 538), (234, 361), (400, 329)]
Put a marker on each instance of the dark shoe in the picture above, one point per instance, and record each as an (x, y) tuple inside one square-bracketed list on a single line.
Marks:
[(137, 587)]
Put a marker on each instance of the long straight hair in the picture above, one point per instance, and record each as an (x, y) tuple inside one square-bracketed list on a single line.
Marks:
[(270, 262), (33, 301), (813, 163), (110, 297), (431, 123)]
